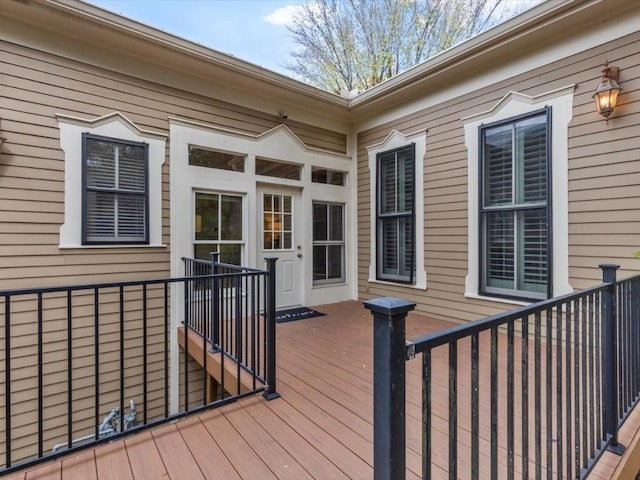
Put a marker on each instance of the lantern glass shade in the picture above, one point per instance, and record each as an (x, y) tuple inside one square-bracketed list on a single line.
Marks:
[(606, 96)]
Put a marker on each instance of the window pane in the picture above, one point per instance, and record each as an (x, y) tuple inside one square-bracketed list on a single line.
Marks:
[(131, 168), (405, 181), (320, 222), (286, 241), (206, 222), (498, 166), (387, 171), (335, 262), (202, 157), (203, 251), (390, 245), (319, 262), (101, 221), (330, 177), (500, 259), (286, 204), (533, 253), (231, 253), (273, 168), (531, 148), (336, 223), (131, 222), (406, 253), (231, 216), (101, 163)]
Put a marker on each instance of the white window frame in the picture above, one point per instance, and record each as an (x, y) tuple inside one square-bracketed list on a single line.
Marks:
[(394, 141), (241, 242), (116, 126), (327, 243), (513, 105)]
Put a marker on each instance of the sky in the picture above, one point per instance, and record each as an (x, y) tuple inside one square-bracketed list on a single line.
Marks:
[(252, 30)]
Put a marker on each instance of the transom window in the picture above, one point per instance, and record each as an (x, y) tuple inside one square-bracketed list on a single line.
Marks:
[(395, 215), (514, 214), (115, 200), (218, 227), (277, 222), (206, 157), (328, 243), (329, 177)]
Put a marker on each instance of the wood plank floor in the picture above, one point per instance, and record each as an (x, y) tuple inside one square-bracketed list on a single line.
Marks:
[(321, 427)]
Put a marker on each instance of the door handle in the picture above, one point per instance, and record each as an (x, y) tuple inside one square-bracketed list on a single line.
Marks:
[(299, 255)]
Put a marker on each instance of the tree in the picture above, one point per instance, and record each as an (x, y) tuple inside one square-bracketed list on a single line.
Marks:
[(346, 45)]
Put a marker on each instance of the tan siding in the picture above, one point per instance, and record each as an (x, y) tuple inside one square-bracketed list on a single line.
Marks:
[(37, 86), (604, 174)]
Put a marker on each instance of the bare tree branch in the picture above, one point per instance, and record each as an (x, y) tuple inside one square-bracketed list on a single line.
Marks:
[(344, 45)]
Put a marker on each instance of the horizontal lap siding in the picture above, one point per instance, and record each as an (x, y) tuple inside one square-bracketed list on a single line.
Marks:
[(55, 322), (36, 86), (604, 173)]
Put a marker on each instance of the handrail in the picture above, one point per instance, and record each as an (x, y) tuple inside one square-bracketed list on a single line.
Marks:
[(568, 376), (111, 342)]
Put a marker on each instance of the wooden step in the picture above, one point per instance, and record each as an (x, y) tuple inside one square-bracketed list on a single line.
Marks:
[(214, 364)]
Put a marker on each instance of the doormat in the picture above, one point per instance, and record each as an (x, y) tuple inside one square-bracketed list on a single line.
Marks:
[(298, 313)]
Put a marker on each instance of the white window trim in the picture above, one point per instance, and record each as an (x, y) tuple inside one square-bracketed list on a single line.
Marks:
[(511, 105), (394, 141), (117, 126)]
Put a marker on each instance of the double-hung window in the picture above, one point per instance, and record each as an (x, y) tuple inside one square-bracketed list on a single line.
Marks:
[(328, 243), (395, 217), (218, 227), (115, 206), (515, 207)]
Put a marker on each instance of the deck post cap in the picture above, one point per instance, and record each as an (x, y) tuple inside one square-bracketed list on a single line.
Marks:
[(390, 306)]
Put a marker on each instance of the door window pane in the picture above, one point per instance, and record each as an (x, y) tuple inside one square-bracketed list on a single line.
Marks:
[(277, 222)]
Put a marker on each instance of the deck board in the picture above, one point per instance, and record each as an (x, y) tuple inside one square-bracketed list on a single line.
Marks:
[(322, 426), (144, 458), (112, 462)]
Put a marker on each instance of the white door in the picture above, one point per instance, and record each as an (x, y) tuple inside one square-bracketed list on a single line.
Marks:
[(280, 235)]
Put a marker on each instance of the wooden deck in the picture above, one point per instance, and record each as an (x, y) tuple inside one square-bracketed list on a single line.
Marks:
[(321, 427)]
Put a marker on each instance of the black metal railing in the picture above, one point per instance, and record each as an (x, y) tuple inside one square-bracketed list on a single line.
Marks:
[(86, 364), (227, 306), (536, 392)]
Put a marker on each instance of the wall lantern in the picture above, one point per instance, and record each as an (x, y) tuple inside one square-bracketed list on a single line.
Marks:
[(606, 95)]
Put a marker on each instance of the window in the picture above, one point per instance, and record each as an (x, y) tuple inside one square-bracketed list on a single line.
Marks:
[(329, 177), (218, 227), (115, 201), (274, 168), (515, 206), (277, 221), (204, 157), (328, 243), (395, 215)]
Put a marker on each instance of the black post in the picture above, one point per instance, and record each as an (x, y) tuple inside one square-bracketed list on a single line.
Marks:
[(610, 370), (215, 303), (389, 428), (270, 317)]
